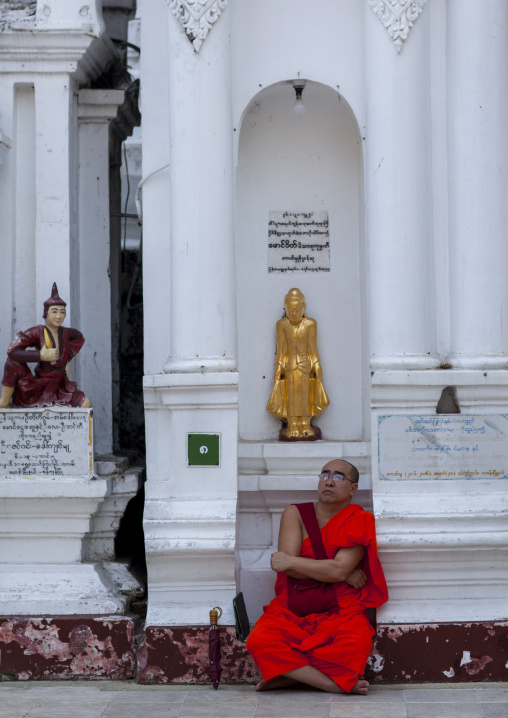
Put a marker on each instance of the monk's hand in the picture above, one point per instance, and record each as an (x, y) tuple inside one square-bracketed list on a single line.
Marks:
[(357, 578), (67, 370), (280, 561), (49, 354)]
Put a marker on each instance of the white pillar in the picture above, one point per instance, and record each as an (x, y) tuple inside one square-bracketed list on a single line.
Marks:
[(398, 166), (96, 108), (478, 181), (190, 511), (7, 218), (53, 187), (24, 208), (201, 197)]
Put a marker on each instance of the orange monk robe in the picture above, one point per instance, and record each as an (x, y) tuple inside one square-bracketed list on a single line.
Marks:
[(337, 642)]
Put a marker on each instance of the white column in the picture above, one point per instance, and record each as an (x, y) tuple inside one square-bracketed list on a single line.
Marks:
[(397, 146), (53, 106), (23, 206), (478, 181), (7, 213), (201, 197), (190, 511), (96, 108)]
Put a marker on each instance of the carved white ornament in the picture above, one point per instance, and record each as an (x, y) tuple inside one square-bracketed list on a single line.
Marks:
[(398, 16), (197, 17)]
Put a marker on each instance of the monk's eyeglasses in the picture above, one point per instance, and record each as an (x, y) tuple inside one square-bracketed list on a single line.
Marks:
[(336, 476)]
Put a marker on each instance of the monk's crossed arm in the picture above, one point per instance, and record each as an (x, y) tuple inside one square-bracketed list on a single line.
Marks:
[(288, 560)]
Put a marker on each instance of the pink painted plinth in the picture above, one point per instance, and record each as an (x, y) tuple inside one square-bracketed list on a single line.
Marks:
[(439, 653), (180, 655), (66, 647), (103, 647)]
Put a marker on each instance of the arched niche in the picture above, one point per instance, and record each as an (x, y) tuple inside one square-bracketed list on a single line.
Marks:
[(302, 163)]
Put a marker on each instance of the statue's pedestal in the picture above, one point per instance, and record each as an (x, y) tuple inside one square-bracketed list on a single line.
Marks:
[(49, 496)]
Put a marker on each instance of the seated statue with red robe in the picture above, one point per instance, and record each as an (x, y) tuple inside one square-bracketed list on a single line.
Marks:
[(329, 645), (52, 346)]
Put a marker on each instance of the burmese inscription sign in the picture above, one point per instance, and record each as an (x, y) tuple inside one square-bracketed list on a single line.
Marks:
[(437, 447), (49, 443), (298, 242)]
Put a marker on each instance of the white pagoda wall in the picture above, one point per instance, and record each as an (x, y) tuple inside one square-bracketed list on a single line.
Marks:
[(394, 170)]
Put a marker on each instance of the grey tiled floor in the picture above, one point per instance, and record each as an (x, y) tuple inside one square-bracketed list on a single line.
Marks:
[(128, 700)]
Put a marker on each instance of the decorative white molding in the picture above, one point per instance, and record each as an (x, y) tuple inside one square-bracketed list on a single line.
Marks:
[(65, 51), (419, 391), (398, 16), (99, 105), (197, 17), (188, 365), (275, 466), (191, 391)]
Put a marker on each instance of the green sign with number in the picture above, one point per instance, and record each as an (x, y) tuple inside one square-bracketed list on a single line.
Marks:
[(203, 449)]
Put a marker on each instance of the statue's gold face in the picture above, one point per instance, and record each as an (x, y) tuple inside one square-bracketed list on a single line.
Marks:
[(55, 317), (295, 309)]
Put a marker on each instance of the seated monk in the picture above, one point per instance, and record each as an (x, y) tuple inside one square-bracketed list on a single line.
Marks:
[(52, 346), (326, 644)]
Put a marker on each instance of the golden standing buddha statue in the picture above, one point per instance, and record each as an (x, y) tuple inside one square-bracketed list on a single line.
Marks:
[(298, 393)]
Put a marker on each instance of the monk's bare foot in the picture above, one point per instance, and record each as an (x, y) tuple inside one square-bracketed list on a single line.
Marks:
[(277, 682), (361, 688)]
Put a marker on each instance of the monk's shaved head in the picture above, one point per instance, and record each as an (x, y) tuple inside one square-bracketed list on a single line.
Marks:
[(350, 471)]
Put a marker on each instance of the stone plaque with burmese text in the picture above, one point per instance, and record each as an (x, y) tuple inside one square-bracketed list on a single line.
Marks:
[(50, 443), (442, 447), (298, 242)]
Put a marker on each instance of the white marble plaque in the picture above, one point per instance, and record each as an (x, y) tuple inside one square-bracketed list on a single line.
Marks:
[(442, 447), (298, 242), (48, 443)]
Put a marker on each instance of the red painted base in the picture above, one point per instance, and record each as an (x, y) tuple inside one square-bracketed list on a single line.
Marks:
[(444, 653), (439, 653), (180, 655), (66, 647), (102, 647)]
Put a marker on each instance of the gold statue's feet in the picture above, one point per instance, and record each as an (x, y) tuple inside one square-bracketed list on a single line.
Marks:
[(300, 430), (293, 429), (305, 428)]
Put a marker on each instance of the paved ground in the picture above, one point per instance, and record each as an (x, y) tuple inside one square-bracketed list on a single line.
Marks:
[(125, 700)]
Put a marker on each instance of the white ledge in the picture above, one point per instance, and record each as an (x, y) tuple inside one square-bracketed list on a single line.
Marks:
[(193, 379), (441, 377), (190, 365), (404, 361)]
